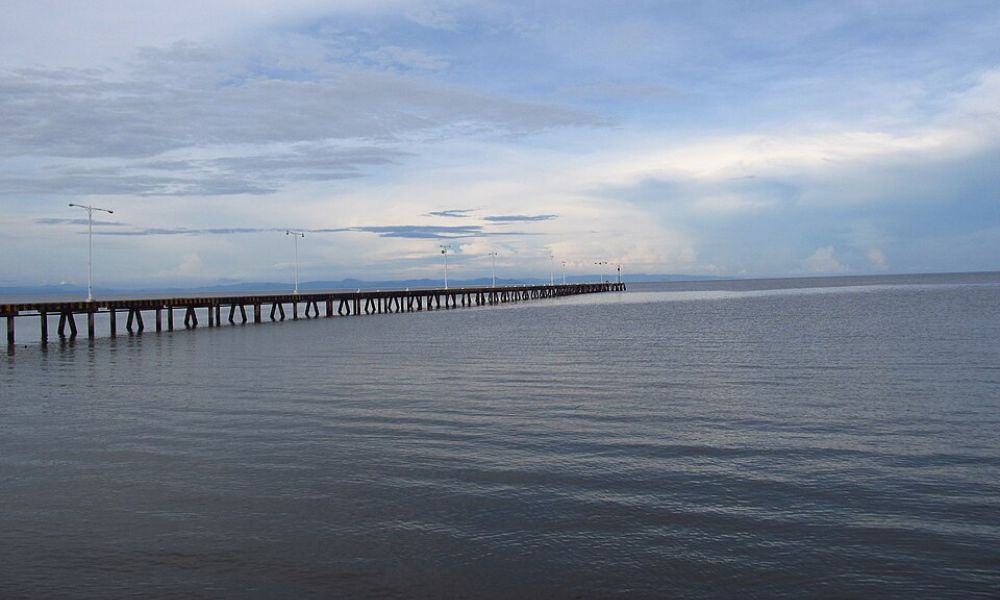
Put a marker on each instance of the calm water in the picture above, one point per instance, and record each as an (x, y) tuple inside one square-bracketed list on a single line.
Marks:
[(811, 438)]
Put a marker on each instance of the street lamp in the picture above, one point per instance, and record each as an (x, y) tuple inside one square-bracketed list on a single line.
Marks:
[(601, 262), (493, 256), (296, 235), (552, 266), (444, 251), (90, 243), (564, 272), (619, 273)]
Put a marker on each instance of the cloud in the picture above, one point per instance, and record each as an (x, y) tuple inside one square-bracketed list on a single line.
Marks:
[(669, 136), (429, 16), (877, 259), (615, 89), (424, 231), (865, 237), (199, 120), (408, 58), (190, 266), (458, 213), (824, 261), (421, 231), (183, 97), (188, 231), (518, 218), (385, 231), (96, 223)]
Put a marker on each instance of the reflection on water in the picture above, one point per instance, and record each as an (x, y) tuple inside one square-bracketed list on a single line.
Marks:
[(706, 442)]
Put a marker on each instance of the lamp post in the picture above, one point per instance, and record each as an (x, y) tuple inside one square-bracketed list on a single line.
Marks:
[(90, 244), (564, 272), (602, 262), (444, 251), (552, 266), (296, 235), (619, 273), (493, 256)]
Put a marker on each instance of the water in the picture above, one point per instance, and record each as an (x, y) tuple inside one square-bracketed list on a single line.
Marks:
[(810, 438)]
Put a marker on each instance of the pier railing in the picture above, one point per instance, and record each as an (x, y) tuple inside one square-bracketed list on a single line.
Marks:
[(235, 308)]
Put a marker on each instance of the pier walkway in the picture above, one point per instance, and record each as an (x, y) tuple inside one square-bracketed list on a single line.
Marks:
[(190, 310)]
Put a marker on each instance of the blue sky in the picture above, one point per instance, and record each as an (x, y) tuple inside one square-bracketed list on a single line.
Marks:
[(731, 138)]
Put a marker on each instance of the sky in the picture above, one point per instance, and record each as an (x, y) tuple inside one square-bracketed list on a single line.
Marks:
[(729, 138)]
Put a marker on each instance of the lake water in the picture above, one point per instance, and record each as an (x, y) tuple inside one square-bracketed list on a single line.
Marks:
[(774, 439)]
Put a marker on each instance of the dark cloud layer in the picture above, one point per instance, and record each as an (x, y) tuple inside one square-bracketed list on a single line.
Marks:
[(96, 223), (518, 218), (386, 231), (458, 213)]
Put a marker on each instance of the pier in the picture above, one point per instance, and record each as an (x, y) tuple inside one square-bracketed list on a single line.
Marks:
[(215, 311)]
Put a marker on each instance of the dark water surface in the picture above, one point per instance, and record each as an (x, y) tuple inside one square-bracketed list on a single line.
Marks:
[(814, 438)]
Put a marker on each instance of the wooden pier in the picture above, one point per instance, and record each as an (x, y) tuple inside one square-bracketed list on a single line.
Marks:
[(165, 313)]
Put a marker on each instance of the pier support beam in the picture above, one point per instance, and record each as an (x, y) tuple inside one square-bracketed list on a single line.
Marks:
[(170, 318), (159, 319), (113, 320), (134, 314), (277, 306), (243, 314), (10, 330), (90, 323), (45, 326), (65, 318), (256, 312)]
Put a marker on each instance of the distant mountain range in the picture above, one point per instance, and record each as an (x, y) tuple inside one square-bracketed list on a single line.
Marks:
[(343, 284)]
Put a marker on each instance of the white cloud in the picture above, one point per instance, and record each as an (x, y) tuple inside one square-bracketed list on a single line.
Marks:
[(190, 266), (877, 258), (829, 155), (824, 261)]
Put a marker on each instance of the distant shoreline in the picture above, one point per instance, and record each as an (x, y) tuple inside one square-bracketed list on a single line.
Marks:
[(352, 284)]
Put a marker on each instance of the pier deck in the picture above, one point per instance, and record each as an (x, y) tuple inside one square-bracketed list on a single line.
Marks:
[(235, 308)]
